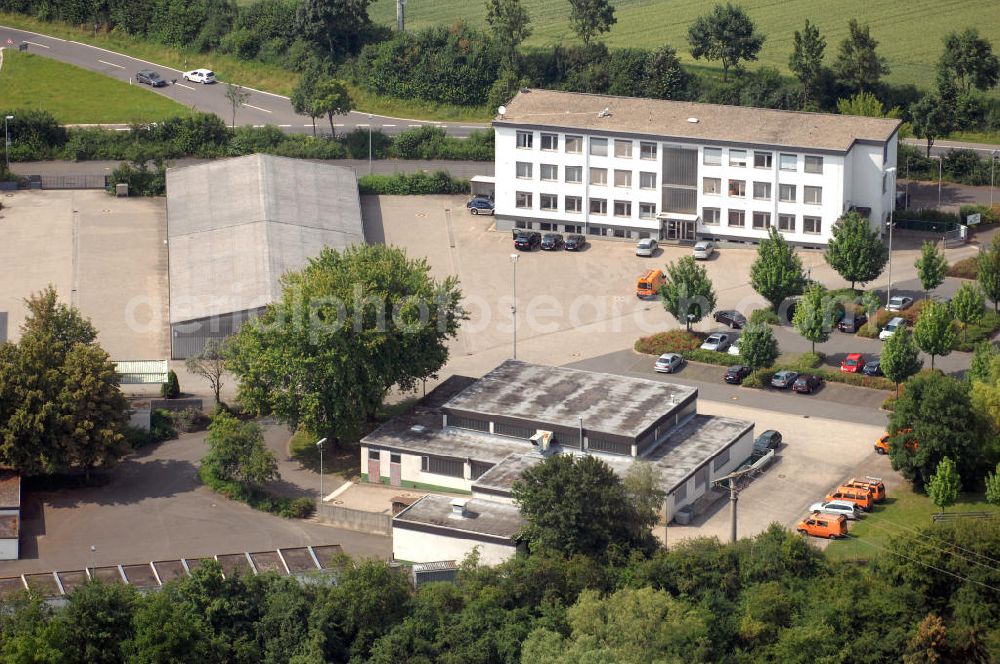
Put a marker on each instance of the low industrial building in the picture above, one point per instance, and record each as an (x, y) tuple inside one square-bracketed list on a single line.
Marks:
[(10, 515), (236, 226), (437, 528)]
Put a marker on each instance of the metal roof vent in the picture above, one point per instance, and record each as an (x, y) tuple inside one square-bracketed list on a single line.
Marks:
[(458, 508), (604, 113), (693, 120)]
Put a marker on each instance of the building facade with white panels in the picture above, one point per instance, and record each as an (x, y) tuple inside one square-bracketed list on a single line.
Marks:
[(679, 171)]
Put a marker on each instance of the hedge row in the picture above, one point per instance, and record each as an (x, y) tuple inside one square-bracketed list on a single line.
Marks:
[(290, 508), (407, 184)]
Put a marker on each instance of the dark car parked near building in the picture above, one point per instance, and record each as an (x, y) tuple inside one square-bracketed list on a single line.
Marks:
[(552, 241), (852, 322), (736, 373), (575, 242), (806, 383), (733, 319), (150, 77), (480, 205), (527, 240), (872, 368)]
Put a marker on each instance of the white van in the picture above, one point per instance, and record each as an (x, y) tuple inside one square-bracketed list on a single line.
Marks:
[(891, 327), (848, 509)]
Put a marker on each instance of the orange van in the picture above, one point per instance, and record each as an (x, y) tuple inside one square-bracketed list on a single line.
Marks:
[(649, 283), (874, 485), (859, 497), (817, 524), (883, 443)]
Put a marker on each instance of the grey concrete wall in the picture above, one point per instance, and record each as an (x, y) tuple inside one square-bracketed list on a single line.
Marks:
[(373, 523)]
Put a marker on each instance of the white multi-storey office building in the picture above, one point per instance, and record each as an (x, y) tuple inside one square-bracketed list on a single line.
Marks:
[(625, 167)]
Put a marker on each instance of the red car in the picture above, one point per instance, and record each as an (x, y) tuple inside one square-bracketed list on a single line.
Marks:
[(853, 363)]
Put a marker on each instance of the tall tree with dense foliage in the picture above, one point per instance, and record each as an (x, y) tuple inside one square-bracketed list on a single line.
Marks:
[(348, 328), (590, 18), (664, 76), (806, 60), (338, 27), (981, 365), (237, 452), (932, 420), (968, 305), (988, 271), (945, 484), (993, 486), (934, 332), (855, 251), (577, 505), (61, 408), (509, 21), (331, 99), (932, 118), (726, 34), (968, 59), (758, 347), (900, 357), (932, 267), (858, 65), (813, 317), (776, 273), (304, 93), (688, 295), (867, 105)]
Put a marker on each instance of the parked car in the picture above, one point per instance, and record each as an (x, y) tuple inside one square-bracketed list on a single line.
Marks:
[(852, 322), (527, 240), (730, 317), (891, 327), (874, 485), (645, 247), (852, 363), (806, 383), (898, 303), (649, 283), (717, 341), (552, 241), (848, 509), (885, 441), (480, 205), (736, 373), (150, 78), (859, 497), (703, 250), (575, 242), (735, 348), (200, 76), (818, 524), (769, 440), (668, 363), (784, 378), (872, 367)]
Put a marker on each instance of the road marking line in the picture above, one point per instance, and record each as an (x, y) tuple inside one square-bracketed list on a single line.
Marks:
[(388, 125), (257, 108), (414, 125), (473, 126), (338, 125), (257, 126), (284, 125), (110, 64), (307, 125), (36, 44), (184, 86)]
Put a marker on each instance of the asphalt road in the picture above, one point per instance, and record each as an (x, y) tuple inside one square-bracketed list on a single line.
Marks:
[(261, 107)]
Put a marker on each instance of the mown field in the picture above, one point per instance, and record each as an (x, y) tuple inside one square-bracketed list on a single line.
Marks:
[(75, 95), (909, 33)]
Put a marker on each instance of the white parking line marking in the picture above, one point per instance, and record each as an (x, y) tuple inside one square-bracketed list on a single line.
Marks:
[(257, 108), (414, 125), (36, 44), (184, 86), (338, 125), (284, 125), (307, 125), (110, 64), (388, 125)]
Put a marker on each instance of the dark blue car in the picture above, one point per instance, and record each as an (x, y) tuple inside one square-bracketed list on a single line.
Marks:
[(480, 205)]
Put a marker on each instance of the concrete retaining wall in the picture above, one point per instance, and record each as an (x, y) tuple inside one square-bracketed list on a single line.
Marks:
[(372, 523)]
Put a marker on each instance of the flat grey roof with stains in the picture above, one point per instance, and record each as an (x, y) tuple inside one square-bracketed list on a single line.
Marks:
[(484, 517), (10, 489), (559, 396), (501, 477)]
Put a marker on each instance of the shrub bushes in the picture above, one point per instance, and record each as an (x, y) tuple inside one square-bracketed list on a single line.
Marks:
[(711, 357), (766, 316), (141, 181), (433, 143), (259, 499), (671, 341), (161, 426), (983, 329), (967, 268), (404, 184)]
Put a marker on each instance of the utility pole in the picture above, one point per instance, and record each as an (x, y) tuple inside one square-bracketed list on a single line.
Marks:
[(400, 15), (734, 496)]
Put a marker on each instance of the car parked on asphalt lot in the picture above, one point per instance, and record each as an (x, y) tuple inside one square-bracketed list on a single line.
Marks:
[(200, 76), (806, 383), (859, 497), (768, 440), (717, 341), (575, 242), (891, 327), (852, 322), (527, 240), (817, 524), (730, 317), (480, 205), (736, 373), (849, 510), (552, 241), (874, 485), (898, 303), (784, 379), (703, 250), (649, 283), (735, 348), (872, 367), (885, 441), (645, 247), (668, 363), (852, 363), (150, 78)]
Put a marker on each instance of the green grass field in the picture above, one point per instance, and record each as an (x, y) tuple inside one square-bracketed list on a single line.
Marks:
[(903, 512), (78, 96), (909, 33)]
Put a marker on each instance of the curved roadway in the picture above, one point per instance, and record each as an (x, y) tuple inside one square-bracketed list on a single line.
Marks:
[(261, 108)]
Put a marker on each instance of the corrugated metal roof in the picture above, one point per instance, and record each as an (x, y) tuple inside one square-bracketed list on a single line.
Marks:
[(142, 372)]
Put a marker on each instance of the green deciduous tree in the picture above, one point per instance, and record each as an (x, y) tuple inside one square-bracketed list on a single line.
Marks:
[(578, 505), (758, 347), (510, 23), (932, 267), (338, 27), (237, 452), (347, 329), (858, 66), (867, 105), (331, 99), (776, 273), (934, 332), (968, 305), (900, 357), (95, 624), (168, 630), (688, 295), (968, 59), (945, 484), (855, 251), (982, 362), (806, 60), (726, 34), (237, 98), (932, 118), (591, 17), (304, 93), (665, 78), (813, 317), (870, 302), (988, 272), (210, 364), (993, 486)]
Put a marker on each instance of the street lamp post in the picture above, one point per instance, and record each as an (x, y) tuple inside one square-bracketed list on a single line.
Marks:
[(513, 307), (993, 160), (939, 160), (369, 144), (892, 208), (6, 139), (93, 561), (319, 444)]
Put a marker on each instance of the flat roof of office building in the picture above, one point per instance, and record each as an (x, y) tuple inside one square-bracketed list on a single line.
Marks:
[(482, 517)]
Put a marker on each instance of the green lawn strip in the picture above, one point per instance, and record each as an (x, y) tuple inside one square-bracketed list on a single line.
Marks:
[(78, 96), (407, 484), (903, 511)]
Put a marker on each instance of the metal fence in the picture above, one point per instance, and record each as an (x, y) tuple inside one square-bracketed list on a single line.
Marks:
[(925, 225), (73, 181)]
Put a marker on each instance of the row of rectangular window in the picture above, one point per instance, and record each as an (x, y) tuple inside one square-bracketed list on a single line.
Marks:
[(647, 150), (762, 191), (574, 175), (761, 221), (524, 200)]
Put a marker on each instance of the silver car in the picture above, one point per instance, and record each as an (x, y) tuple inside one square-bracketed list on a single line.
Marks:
[(703, 250), (718, 342), (848, 509), (898, 303), (668, 363), (645, 247)]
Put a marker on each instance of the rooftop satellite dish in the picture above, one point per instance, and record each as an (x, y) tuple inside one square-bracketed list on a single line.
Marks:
[(502, 110)]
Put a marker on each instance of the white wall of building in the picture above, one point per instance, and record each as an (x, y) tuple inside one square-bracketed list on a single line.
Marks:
[(420, 547), (411, 467), (738, 453), (8, 549)]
